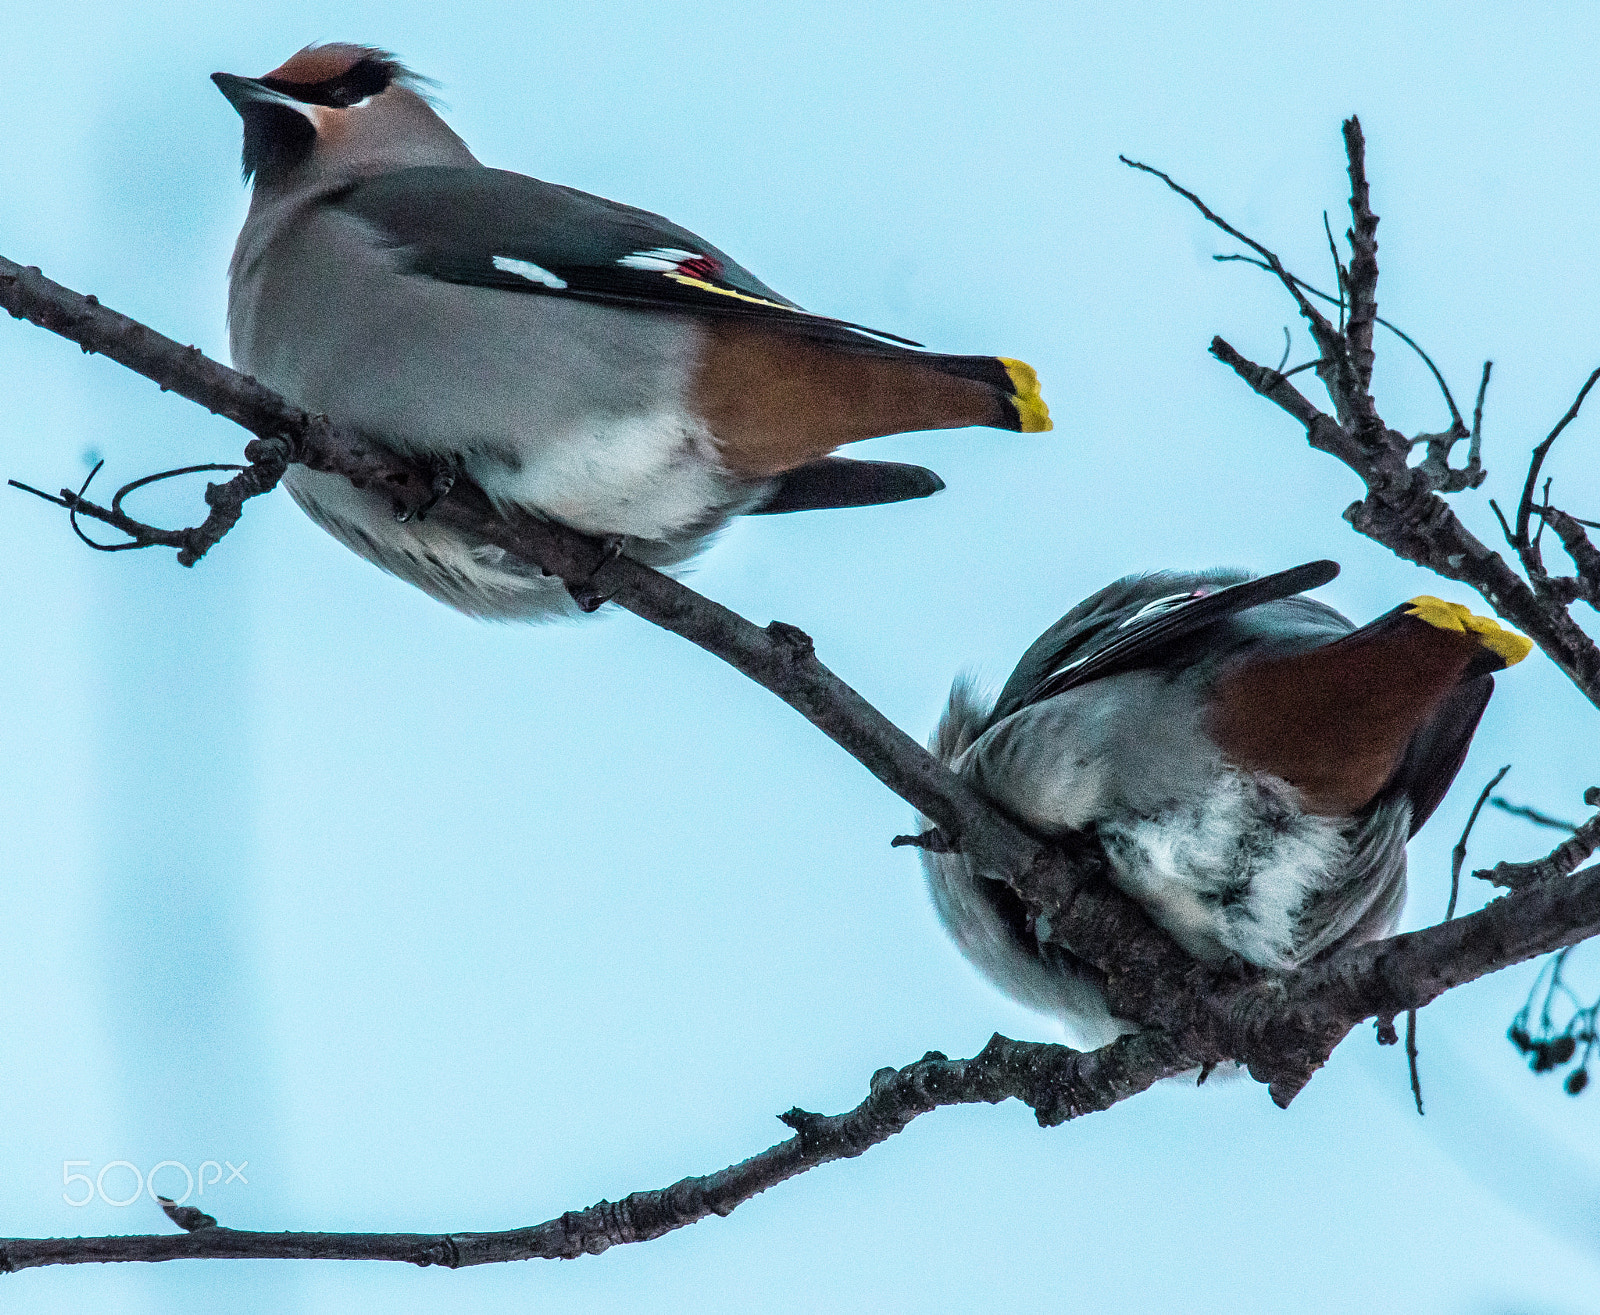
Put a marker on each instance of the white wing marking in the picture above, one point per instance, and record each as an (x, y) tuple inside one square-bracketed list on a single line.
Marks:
[(528, 270)]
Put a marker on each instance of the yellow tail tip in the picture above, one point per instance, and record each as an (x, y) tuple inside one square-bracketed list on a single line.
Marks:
[(1506, 644), (1033, 414)]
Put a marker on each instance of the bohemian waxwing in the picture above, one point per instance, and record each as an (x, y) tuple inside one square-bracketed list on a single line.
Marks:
[(592, 363), (1253, 764)]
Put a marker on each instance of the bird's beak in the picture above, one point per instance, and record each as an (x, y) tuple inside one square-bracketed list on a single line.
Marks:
[(245, 92)]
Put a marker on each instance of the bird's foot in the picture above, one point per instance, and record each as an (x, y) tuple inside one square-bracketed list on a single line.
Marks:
[(442, 475), (584, 593)]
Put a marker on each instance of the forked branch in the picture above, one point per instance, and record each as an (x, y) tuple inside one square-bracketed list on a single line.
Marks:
[(1403, 509), (1057, 1083), (1283, 1028)]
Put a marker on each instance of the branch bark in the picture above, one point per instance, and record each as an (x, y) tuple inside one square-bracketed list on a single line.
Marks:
[(1402, 509), (1282, 1028), (1585, 839), (1081, 910), (1056, 1082)]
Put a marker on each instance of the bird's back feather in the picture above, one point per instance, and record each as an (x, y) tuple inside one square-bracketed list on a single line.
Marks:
[(494, 228)]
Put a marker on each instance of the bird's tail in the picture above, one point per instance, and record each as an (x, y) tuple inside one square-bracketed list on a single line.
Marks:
[(777, 400), (965, 717), (1015, 386)]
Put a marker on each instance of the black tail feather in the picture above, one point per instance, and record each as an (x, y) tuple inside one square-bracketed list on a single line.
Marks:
[(837, 482)]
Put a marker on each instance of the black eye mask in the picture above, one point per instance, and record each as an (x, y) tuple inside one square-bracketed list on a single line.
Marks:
[(366, 77)]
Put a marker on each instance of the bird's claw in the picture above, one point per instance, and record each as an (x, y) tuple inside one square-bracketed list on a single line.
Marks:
[(444, 479), (584, 594), (444, 471)]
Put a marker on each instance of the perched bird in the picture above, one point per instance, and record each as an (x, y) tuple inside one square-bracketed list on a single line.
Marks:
[(1252, 763), (592, 363)]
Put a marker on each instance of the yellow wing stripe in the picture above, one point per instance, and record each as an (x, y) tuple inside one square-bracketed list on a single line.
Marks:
[(689, 281), (1031, 410), (1507, 644)]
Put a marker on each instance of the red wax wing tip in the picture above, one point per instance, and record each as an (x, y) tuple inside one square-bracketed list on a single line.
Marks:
[(703, 267)]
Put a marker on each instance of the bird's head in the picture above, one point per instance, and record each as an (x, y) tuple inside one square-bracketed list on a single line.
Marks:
[(336, 111)]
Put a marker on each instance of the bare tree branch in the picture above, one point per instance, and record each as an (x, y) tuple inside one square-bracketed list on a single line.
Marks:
[(1362, 282), (1283, 1028), (1322, 331), (1458, 855), (1584, 586), (1411, 1058), (1056, 1082), (1302, 1013), (1404, 513), (1402, 509), (1457, 430), (1209, 1016), (1528, 549), (1558, 862), (1533, 815), (1076, 907), (225, 500)]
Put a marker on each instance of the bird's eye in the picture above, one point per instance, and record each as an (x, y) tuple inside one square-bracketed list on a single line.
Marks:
[(366, 78)]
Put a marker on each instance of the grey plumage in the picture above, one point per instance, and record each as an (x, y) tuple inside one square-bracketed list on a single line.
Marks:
[(579, 359), (1225, 859), (591, 428)]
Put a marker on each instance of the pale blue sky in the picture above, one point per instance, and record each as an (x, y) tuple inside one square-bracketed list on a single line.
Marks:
[(442, 925)]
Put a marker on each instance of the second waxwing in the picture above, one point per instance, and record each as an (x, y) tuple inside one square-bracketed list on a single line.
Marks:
[(1252, 762), (585, 361)]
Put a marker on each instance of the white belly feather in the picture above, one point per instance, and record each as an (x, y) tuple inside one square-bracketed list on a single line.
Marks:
[(571, 410), (1227, 861)]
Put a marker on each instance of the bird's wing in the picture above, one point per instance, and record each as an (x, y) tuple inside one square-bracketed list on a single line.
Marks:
[(1132, 637), (835, 482), (1437, 751), (496, 229), (1380, 714)]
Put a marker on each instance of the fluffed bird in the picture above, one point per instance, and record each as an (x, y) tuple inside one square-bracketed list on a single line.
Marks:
[(1252, 763), (585, 361)]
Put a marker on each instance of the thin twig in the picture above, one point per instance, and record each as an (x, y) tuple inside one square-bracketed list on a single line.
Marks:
[(1525, 549), (1475, 446), (226, 501), (1339, 275), (1532, 815), (1458, 855), (1585, 556), (1561, 860), (1363, 280), (1411, 1058), (1321, 329), (1444, 388)]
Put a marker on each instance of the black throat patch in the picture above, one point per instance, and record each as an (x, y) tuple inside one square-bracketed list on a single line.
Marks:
[(276, 140)]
